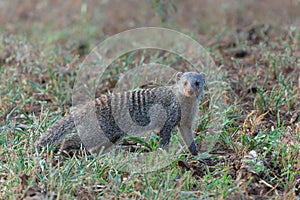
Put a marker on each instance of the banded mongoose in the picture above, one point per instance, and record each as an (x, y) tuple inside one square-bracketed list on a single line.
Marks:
[(143, 110)]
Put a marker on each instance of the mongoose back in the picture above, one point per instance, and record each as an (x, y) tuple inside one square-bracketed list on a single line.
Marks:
[(137, 111)]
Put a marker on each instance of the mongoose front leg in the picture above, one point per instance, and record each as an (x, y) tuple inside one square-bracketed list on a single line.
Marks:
[(165, 135), (187, 135)]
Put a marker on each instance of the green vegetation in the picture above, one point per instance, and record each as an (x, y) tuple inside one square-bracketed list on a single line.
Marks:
[(256, 155)]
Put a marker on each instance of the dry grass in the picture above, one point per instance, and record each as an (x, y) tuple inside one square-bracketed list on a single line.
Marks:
[(256, 44)]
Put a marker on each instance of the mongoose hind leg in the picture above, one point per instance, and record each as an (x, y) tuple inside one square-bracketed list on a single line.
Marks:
[(71, 143)]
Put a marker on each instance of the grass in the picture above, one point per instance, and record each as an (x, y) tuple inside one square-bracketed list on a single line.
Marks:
[(256, 155)]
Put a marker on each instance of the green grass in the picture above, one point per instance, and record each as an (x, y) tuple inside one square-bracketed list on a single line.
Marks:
[(37, 74)]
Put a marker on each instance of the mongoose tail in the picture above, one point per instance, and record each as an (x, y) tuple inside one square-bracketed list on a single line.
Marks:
[(57, 131)]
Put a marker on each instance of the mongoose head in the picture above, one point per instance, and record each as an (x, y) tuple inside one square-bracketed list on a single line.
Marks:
[(190, 84)]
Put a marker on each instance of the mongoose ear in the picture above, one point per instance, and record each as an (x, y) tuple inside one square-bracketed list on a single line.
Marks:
[(178, 76)]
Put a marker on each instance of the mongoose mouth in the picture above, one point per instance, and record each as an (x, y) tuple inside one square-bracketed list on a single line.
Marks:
[(190, 93)]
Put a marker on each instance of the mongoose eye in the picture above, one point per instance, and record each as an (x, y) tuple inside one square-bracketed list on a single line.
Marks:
[(185, 83), (197, 83)]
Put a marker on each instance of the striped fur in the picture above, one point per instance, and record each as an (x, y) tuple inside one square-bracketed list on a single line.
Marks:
[(135, 112)]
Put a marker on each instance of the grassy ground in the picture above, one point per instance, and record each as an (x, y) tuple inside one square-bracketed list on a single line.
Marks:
[(256, 45)]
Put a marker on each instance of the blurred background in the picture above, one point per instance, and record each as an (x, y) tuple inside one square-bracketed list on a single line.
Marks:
[(255, 43), (95, 20)]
